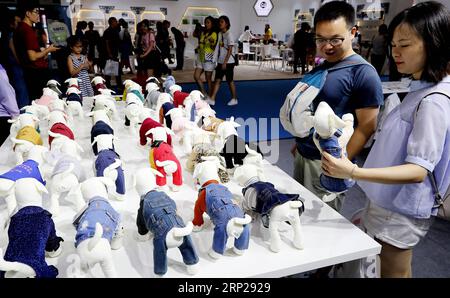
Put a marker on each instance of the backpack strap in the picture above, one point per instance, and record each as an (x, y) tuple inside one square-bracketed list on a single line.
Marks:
[(438, 199)]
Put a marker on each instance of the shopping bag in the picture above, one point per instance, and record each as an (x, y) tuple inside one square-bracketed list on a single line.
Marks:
[(111, 68)]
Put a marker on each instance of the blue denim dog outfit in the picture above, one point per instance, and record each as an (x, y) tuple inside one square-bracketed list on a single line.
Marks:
[(268, 197), (158, 213), (221, 209), (99, 210)]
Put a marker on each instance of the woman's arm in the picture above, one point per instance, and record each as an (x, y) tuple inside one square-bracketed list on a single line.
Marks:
[(345, 169)]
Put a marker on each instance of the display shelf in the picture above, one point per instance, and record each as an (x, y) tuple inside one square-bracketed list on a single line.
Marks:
[(194, 15), (91, 15), (153, 17), (129, 17)]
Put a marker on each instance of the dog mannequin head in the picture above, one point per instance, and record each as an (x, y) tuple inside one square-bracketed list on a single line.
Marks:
[(145, 180), (207, 170), (28, 192), (96, 186)]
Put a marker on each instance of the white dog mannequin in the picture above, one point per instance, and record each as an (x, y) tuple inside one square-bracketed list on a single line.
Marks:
[(21, 121), (74, 106), (100, 115), (97, 249), (144, 181), (72, 82), (37, 110), (37, 154), (28, 193), (248, 174), (50, 92), (207, 171), (106, 102)]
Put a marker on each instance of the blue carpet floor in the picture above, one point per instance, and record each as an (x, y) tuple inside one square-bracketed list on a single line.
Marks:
[(258, 108)]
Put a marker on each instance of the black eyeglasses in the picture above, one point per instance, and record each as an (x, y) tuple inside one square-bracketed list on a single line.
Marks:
[(335, 42)]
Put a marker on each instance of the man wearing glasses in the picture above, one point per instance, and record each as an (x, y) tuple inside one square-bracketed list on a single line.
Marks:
[(33, 60), (355, 89)]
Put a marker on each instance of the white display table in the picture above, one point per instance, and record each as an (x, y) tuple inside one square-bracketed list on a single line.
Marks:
[(328, 237)]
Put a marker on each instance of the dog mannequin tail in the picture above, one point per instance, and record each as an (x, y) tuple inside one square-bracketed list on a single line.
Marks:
[(97, 237)]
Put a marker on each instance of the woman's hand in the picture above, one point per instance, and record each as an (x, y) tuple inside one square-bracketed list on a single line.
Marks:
[(338, 168), (224, 66)]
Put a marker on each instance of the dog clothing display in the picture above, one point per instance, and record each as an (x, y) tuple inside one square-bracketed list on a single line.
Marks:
[(162, 151), (100, 128), (60, 128), (30, 134), (28, 169), (104, 159), (179, 97), (166, 107), (98, 210), (31, 233), (216, 201), (75, 97), (148, 124), (158, 214), (64, 163), (262, 197)]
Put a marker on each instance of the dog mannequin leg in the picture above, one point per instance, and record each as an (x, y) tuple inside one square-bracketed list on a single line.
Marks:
[(275, 239), (54, 203), (108, 267), (298, 235), (19, 157)]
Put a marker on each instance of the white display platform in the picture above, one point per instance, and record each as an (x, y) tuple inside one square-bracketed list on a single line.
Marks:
[(328, 237)]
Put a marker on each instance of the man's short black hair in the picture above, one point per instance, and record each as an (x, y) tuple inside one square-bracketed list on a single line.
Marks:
[(334, 10), (26, 5), (111, 20), (431, 21)]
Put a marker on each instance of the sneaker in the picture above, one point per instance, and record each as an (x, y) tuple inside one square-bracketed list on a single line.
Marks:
[(211, 102), (232, 102)]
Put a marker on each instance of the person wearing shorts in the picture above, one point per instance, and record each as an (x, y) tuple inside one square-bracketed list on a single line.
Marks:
[(413, 144), (225, 61), (205, 62)]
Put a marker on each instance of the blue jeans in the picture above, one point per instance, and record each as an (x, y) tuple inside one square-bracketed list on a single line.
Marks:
[(160, 216), (221, 209)]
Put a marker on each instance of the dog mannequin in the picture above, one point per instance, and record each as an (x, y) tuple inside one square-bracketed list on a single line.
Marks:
[(162, 99), (57, 130), (108, 164), (25, 139), (100, 128), (65, 145), (21, 121), (105, 102), (100, 115), (168, 82), (33, 167), (163, 159), (58, 105), (202, 147), (74, 102), (132, 111), (273, 207), (153, 94), (66, 178), (99, 227), (159, 134), (145, 131), (39, 111), (31, 230), (332, 135), (179, 122), (53, 84), (50, 92), (73, 82), (99, 83), (216, 201), (108, 92), (178, 96), (156, 206), (57, 116)]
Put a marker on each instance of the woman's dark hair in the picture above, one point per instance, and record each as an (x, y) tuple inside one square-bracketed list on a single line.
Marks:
[(334, 10), (73, 40), (227, 21), (431, 21), (383, 29), (213, 24), (305, 26)]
